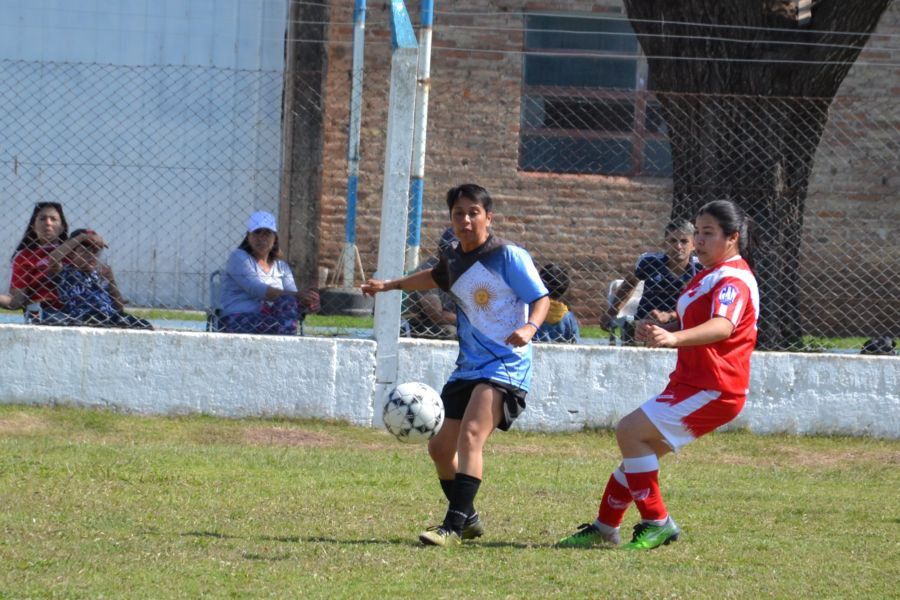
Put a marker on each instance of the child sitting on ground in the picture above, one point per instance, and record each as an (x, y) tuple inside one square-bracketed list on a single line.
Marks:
[(560, 324), (86, 287)]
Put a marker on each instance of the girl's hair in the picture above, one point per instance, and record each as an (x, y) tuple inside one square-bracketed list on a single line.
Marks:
[(30, 239), (274, 253), (732, 218), (473, 192)]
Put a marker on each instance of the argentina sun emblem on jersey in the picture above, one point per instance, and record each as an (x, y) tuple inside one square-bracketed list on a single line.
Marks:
[(488, 302), (727, 295)]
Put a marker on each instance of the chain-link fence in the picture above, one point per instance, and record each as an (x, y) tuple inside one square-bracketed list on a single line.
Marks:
[(586, 166)]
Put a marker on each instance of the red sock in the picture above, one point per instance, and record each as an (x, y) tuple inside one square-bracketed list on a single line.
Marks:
[(615, 501), (643, 481)]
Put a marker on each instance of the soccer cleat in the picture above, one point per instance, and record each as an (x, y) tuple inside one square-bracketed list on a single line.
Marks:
[(589, 535), (438, 536), (473, 528), (647, 536)]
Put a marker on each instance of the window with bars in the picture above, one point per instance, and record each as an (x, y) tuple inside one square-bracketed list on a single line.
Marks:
[(585, 107)]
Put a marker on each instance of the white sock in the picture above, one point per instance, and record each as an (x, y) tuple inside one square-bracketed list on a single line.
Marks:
[(604, 528)]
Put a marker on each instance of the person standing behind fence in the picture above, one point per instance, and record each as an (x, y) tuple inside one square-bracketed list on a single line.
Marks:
[(258, 290), (501, 303), (30, 285), (664, 275), (715, 334), (560, 324)]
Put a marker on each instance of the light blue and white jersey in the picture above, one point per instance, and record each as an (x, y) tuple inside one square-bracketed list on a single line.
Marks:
[(492, 287)]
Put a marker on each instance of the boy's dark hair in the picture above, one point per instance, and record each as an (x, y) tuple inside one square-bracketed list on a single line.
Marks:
[(473, 192), (556, 279)]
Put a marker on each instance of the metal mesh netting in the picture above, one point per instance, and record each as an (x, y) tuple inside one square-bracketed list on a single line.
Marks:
[(166, 164)]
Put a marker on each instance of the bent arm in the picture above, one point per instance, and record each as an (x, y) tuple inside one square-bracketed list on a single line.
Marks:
[(536, 315), (708, 332)]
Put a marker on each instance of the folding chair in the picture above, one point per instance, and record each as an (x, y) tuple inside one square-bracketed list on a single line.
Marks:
[(214, 310), (626, 313)]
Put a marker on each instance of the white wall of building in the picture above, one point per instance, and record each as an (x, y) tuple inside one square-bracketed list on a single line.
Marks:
[(173, 373), (155, 122)]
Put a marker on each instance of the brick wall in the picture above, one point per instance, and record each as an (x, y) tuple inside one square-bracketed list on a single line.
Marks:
[(595, 225)]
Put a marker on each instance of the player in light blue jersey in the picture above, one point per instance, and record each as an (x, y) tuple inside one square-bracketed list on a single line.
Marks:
[(501, 303)]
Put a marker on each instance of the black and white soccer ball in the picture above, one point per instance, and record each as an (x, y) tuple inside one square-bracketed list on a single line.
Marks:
[(413, 412)]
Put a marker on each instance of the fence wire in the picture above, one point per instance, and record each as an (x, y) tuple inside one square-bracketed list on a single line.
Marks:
[(586, 165)]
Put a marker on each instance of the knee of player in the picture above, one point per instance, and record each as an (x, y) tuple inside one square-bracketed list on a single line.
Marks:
[(440, 450), (471, 439)]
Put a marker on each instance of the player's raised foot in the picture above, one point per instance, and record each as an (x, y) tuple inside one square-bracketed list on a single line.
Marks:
[(439, 536), (589, 535), (473, 528), (648, 536)]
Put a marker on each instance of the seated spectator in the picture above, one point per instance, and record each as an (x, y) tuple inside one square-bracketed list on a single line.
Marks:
[(86, 287), (880, 346), (664, 275), (30, 286), (258, 290), (560, 324), (432, 313)]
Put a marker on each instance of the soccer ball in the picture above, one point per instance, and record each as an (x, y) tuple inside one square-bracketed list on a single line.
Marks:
[(413, 411)]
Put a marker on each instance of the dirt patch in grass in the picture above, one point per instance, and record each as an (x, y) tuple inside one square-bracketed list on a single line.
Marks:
[(282, 436), (21, 424), (789, 456)]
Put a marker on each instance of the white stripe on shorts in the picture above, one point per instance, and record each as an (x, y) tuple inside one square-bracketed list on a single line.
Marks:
[(668, 418)]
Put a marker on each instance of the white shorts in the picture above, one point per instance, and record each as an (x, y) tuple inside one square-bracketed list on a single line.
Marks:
[(683, 413)]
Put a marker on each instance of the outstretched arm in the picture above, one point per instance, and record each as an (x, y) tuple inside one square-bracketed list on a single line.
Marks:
[(15, 300), (421, 280)]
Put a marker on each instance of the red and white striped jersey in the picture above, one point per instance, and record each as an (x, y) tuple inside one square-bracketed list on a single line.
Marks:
[(726, 290)]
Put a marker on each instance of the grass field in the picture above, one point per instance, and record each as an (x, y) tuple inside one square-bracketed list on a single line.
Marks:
[(97, 504)]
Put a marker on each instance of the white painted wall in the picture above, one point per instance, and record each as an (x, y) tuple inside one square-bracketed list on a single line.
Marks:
[(155, 122), (574, 387)]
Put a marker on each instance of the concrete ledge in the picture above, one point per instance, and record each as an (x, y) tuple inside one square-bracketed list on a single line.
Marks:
[(574, 387)]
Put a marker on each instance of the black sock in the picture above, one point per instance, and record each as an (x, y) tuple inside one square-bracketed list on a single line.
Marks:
[(462, 501), (447, 486)]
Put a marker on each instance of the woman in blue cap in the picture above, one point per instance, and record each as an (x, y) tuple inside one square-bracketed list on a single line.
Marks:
[(258, 290)]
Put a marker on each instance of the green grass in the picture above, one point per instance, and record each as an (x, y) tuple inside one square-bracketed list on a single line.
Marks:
[(97, 504)]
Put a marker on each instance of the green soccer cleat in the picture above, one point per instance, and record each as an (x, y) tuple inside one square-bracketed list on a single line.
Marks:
[(647, 536), (438, 536), (589, 535), (473, 528)]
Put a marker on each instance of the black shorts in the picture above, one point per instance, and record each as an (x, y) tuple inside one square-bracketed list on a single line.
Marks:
[(456, 395)]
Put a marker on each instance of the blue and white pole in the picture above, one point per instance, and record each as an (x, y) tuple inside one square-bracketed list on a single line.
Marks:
[(349, 252), (417, 183)]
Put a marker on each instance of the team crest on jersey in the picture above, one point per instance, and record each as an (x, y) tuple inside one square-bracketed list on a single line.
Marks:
[(727, 295)]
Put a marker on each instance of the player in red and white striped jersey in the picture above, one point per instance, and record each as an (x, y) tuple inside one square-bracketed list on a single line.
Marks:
[(715, 335)]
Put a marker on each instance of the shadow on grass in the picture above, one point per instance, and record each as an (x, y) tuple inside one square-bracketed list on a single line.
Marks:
[(296, 539)]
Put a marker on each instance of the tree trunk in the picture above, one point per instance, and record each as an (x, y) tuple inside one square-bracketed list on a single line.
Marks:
[(748, 131)]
